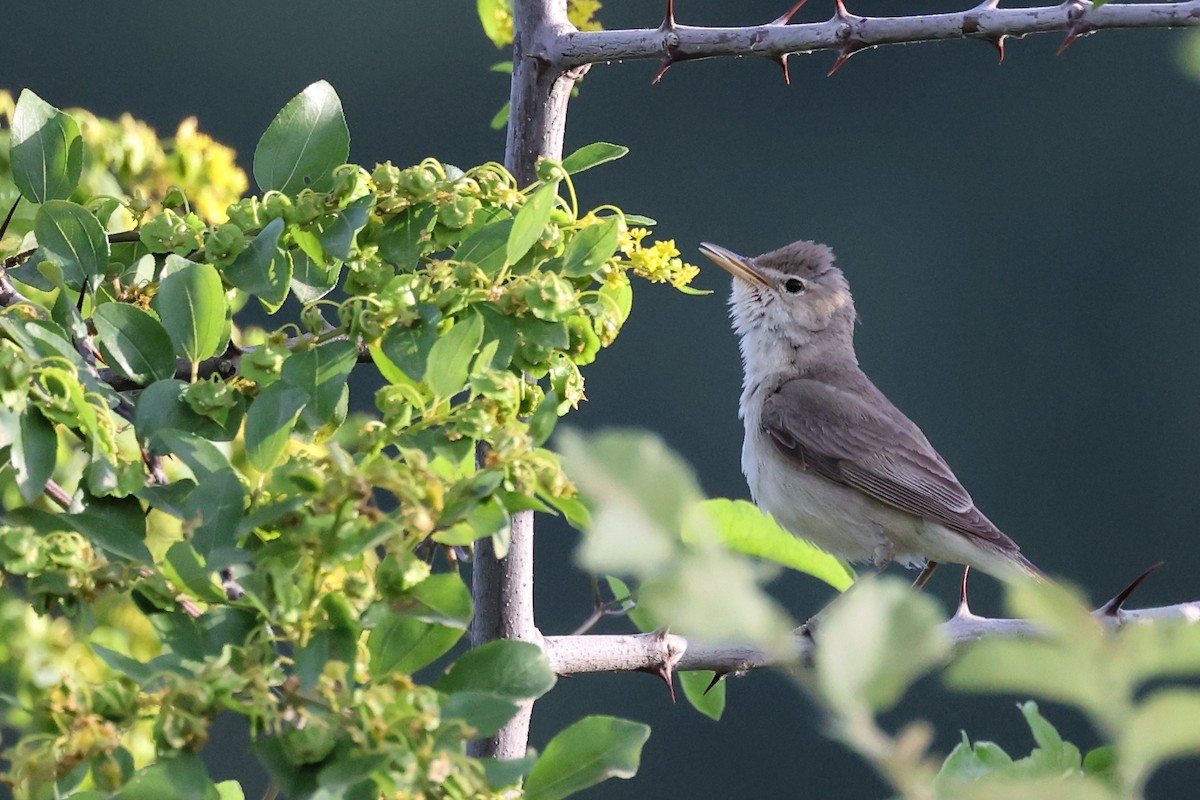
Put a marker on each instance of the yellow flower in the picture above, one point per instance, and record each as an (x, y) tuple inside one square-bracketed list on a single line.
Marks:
[(206, 171), (658, 263)]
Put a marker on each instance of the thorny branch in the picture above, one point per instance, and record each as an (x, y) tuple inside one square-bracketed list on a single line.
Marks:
[(654, 652), (846, 33)]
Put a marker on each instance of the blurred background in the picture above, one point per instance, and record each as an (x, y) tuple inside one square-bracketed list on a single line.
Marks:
[(1022, 241)]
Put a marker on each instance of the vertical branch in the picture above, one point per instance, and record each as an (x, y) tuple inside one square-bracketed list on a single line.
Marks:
[(503, 594), (541, 90), (503, 587)]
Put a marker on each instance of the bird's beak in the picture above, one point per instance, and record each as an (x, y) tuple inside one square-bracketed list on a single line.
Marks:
[(731, 262)]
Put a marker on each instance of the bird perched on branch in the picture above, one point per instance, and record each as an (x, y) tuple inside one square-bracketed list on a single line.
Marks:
[(825, 452)]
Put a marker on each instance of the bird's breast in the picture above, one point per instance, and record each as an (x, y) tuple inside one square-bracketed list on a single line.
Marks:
[(839, 520)]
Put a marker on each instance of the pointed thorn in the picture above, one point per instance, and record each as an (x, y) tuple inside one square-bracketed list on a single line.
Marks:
[(668, 23), (13, 210), (668, 676), (998, 43), (964, 605), (1078, 31), (783, 63), (841, 12), (787, 16), (1113, 607), (716, 678), (667, 62), (848, 50)]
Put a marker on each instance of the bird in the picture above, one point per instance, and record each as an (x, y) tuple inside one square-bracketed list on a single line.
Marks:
[(825, 452)]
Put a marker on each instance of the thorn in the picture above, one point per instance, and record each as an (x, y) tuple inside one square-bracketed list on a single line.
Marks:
[(13, 210), (787, 16), (998, 43), (667, 62), (668, 675), (1113, 607), (841, 12), (1078, 31), (717, 678), (668, 23), (964, 606), (851, 47), (668, 27), (783, 63)]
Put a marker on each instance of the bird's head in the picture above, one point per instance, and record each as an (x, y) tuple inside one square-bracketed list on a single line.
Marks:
[(791, 298)]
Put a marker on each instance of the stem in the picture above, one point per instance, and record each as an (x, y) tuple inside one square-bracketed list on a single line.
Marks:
[(503, 593)]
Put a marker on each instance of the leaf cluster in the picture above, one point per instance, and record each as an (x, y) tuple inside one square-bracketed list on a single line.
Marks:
[(230, 518)]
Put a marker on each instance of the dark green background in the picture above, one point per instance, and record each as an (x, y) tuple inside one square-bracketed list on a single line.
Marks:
[(1022, 242)]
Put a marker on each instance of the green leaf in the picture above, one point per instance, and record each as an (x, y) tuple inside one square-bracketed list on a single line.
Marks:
[(191, 571), (709, 702), (46, 150), (505, 668), (321, 373), (490, 14), (230, 790), (500, 119), (485, 712), (161, 406), (180, 776), (74, 239), (593, 155), (34, 453), (1101, 763), (337, 230), (746, 529), (1164, 726), (117, 524), (269, 423), (406, 236), (502, 773), (311, 280), (592, 750), (967, 763), (542, 423), (875, 641), (218, 502), (191, 304), (407, 348), (450, 357), (1053, 756), (590, 248), (404, 644), (641, 491), (305, 142), (134, 343), (529, 222), (202, 457), (487, 247), (421, 629), (263, 269)]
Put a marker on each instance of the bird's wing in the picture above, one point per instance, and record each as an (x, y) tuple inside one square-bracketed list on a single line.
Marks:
[(874, 448)]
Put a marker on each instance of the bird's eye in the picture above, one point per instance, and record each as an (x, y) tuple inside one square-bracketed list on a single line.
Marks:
[(794, 285)]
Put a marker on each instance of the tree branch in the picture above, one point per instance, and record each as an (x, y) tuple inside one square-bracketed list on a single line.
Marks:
[(847, 33), (650, 652), (541, 86)]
